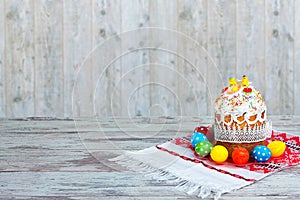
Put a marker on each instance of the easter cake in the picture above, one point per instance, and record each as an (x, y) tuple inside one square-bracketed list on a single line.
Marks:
[(240, 116)]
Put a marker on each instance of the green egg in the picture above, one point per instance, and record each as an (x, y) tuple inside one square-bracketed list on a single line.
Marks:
[(203, 148)]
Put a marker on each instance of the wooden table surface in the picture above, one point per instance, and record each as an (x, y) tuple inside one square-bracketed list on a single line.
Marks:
[(45, 158)]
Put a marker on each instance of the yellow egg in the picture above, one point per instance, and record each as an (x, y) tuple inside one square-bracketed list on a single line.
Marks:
[(219, 154), (277, 148)]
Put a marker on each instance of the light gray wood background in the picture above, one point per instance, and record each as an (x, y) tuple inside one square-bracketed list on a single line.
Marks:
[(144, 58)]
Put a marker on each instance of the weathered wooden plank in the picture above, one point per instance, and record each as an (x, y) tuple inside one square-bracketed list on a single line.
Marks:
[(250, 36), (2, 64), (129, 184), (279, 33), (46, 126), (90, 141), (93, 141), (135, 74), (181, 197), (90, 197), (225, 197), (178, 197), (192, 22), (78, 82), (34, 158), (48, 58), (19, 58), (94, 126), (106, 58), (88, 184), (163, 84), (296, 58), (221, 39)]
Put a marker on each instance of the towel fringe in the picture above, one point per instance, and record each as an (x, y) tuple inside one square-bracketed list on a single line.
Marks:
[(200, 190)]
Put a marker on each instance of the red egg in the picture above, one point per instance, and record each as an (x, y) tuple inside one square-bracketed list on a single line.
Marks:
[(240, 156), (201, 129)]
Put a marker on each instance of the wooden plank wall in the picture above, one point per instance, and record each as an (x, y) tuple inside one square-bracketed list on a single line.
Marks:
[(143, 58)]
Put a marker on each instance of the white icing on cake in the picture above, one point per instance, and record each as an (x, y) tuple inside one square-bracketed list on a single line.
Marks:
[(240, 103)]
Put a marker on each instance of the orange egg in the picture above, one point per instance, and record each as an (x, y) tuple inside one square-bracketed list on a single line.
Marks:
[(240, 155)]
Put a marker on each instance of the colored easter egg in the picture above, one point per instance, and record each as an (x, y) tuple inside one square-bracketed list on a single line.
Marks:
[(197, 137), (201, 129), (277, 148), (240, 155), (219, 154), (261, 153), (203, 148)]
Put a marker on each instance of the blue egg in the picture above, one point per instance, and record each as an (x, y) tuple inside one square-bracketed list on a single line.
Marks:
[(197, 137), (261, 153)]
